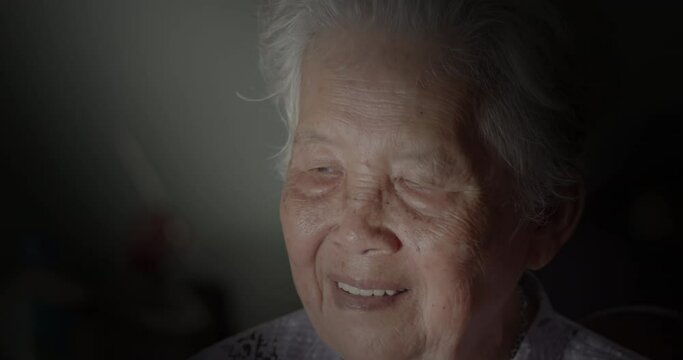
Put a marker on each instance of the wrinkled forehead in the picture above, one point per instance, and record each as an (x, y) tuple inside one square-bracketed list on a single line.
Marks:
[(382, 77)]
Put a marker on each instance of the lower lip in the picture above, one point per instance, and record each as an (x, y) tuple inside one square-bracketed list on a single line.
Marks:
[(344, 300)]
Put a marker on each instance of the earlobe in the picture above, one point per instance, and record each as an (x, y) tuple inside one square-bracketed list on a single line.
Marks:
[(548, 237)]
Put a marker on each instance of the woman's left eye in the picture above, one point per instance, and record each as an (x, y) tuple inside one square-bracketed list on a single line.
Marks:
[(414, 185)]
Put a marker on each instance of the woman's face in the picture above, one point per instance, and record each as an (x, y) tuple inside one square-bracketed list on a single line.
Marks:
[(398, 223)]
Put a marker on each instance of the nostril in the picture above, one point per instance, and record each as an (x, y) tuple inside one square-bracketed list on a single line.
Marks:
[(384, 242)]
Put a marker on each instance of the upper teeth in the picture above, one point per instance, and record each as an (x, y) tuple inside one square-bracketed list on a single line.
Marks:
[(366, 292)]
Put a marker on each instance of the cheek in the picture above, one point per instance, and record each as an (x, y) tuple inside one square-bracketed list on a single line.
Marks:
[(453, 227), (447, 258), (304, 222), (447, 287), (302, 226), (448, 265)]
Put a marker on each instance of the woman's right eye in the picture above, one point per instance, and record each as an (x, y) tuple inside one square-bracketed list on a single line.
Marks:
[(325, 170), (316, 181)]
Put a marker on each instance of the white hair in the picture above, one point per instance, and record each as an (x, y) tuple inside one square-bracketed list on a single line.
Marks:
[(506, 49)]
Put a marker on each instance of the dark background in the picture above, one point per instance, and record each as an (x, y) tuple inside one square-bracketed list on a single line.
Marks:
[(140, 205)]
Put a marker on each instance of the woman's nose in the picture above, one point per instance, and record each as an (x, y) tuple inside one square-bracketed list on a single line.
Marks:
[(362, 228)]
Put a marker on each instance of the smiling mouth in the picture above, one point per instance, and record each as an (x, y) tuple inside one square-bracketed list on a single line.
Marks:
[(368, 292)]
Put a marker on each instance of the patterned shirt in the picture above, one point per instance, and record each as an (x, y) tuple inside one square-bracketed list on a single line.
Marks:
[(549, 336)]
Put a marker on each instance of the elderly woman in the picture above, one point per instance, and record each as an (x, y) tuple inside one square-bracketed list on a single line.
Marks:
[(432, 159)]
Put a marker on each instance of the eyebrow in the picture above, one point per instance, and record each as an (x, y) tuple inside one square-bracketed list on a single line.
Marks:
[(311, 137)]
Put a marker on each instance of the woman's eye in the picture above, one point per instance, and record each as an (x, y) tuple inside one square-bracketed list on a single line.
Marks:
[(410, 183), (416, 186), (325, 170)]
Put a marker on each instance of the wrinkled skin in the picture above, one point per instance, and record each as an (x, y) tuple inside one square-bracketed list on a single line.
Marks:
[(389, 183)]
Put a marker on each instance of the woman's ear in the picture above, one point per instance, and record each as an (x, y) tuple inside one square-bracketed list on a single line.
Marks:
[(547, 237)]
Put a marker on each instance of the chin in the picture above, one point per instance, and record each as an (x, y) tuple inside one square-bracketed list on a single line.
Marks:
[(374, 339)]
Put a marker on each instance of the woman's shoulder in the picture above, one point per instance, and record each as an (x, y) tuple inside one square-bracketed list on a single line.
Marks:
[(288, 337), (553, 336), (582, 343)]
